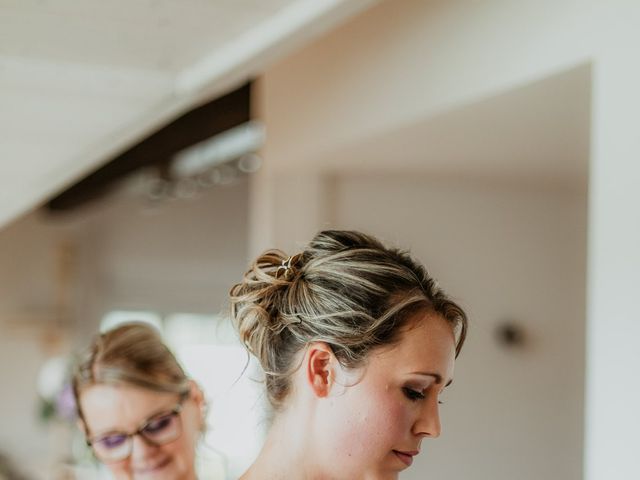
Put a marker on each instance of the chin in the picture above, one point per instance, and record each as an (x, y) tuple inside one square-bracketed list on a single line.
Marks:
[(388, 475), (165, 469)]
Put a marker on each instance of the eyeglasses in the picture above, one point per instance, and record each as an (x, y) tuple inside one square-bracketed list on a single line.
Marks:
[(158, 430)]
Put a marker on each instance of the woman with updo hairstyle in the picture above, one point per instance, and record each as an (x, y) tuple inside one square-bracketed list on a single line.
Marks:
[(141, 414), (357, 343)]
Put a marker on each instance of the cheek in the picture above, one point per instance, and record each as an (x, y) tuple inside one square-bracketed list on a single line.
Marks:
[(120, 470), (182, 450), (373, 425)]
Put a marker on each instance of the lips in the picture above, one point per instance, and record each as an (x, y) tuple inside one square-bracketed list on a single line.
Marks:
[(406, 457), (145, 470)]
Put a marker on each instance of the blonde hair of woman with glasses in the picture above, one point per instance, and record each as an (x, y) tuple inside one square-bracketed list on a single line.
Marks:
[(141, 414), (357, 343)]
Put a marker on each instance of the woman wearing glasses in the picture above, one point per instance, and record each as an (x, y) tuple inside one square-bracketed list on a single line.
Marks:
[(141, 414)]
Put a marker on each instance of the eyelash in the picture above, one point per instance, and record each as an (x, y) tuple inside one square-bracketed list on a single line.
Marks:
[(415, 395)]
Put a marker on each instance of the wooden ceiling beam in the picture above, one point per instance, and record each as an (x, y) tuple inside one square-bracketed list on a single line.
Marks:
[(202, 122)]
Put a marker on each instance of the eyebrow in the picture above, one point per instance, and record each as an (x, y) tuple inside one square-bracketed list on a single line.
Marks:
[(437, 376), (116, 431)]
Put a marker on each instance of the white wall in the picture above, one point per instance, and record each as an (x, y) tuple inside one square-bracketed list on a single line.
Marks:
[(406, 60), (400, 63), (181, 256), (29, 270), (613, 361)]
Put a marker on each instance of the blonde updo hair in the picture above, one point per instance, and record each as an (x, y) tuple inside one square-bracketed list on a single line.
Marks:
[(345, 289), (132, 354)]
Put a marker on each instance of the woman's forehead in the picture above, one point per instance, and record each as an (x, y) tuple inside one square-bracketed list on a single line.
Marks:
[(121, 406), (425, 344)]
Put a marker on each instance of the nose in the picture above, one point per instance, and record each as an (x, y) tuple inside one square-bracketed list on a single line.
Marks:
[(428, 422), (141, 449)]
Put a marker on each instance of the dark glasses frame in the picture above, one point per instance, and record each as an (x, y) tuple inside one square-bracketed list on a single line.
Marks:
[(141, 431)]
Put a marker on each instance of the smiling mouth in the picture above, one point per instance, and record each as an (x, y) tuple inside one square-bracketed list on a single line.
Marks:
[(154, 468), (405, 457)]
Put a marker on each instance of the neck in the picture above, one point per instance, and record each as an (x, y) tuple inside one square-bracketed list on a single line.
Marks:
[(288, 451), (191, 475)]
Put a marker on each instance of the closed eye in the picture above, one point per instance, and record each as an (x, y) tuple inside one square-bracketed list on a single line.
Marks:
[(413, 395), (112, 441), (158, 424)]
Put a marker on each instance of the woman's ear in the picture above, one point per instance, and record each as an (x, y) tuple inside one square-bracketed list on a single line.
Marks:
[(320, 363), (196, 394)]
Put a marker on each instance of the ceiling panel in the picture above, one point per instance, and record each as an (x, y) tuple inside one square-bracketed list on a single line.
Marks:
[(156, 35), (81, 80)]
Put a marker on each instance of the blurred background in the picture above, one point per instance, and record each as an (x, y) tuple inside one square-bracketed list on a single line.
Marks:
[(150, 149)]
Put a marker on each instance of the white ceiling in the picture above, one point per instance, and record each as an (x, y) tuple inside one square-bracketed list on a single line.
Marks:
[(82, 79), (162, 36), (533, 134)]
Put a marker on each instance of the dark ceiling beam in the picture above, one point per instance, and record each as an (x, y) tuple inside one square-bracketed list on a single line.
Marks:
[(203, 122)]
